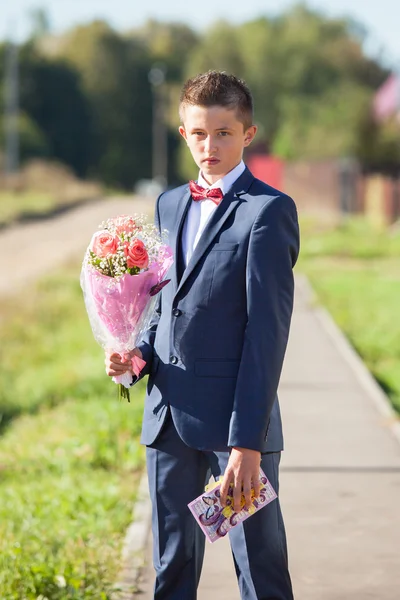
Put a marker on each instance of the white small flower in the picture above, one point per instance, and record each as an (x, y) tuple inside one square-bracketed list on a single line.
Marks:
[(60, 581)]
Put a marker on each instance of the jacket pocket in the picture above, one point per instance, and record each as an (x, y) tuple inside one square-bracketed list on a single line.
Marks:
[(216, 368), (225, 246)]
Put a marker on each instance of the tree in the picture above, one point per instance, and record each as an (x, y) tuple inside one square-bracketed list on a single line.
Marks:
[(114, 73), (311, 82), (88, 99), (51, 95), (54, 119), (168, 44), (219, 49), (40, 23), (326, 126)]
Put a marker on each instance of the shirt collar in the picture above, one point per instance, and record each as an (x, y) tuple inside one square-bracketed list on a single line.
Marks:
[(226, 182)]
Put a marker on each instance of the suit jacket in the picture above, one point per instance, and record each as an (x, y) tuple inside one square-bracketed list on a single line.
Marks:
[(215, 349)]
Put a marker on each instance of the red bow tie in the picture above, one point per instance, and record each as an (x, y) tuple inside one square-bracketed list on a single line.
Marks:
[(200, 193)]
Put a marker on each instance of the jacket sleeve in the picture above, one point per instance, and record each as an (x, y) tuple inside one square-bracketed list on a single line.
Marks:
[(272, 254), (147, 343)]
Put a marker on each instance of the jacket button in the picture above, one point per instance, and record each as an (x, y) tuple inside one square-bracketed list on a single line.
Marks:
[(176, 312), (173, 360)]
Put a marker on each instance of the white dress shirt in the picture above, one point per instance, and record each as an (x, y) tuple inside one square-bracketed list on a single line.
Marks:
[(200, 211)]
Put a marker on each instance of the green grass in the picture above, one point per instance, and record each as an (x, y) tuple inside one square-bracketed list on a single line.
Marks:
[(14, 205), (355, 238), (48, 352), (69, 451), (355, 271)]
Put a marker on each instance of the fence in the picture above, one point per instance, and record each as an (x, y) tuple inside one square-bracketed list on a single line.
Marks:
[(332, 188)]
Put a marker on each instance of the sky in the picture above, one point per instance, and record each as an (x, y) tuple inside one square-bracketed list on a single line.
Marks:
[(381, 18)]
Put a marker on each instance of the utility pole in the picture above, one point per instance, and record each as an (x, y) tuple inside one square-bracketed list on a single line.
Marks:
[(159, 137), (11, 109)]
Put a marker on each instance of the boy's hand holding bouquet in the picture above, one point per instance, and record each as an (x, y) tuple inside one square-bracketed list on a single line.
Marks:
[(122, 272)]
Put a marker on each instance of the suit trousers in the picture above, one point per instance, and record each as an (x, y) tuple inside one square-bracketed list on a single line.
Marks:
[(178, 474)]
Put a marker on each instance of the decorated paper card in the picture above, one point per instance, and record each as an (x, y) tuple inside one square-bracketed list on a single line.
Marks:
[(216, 521)]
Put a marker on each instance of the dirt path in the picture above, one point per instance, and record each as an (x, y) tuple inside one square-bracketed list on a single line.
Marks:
[(30, 250)]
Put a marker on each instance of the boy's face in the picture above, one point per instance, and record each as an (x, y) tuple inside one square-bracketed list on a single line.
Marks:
[(216, 139)]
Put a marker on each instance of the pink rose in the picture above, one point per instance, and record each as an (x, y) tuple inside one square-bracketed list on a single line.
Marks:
[(136, 254), (125, 224), (103, 243)]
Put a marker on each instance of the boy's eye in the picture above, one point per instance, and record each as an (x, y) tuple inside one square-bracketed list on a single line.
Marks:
[(223, 133)]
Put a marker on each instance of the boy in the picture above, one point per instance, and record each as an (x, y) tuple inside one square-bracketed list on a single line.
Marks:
[(215, 350)]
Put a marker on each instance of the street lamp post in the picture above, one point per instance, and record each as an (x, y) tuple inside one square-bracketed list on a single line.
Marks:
[(11, 101), (159, 129)]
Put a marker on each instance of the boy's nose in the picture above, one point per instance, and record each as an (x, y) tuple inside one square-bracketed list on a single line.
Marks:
[(209, 144)]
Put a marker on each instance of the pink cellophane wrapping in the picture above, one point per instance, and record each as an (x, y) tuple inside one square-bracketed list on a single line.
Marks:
[(120, 309), (208, 511)]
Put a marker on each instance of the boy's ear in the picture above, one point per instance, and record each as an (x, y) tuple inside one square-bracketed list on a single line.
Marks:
[(250, 135), (182, 131)]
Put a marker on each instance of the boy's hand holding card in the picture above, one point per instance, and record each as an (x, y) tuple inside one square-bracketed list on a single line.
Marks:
[(215, 520)]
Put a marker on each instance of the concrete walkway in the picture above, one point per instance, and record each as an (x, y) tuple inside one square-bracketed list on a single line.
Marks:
[(340, 475)]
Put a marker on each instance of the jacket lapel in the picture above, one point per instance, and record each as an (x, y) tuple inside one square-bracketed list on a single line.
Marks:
[(217, 219), (182, 209)]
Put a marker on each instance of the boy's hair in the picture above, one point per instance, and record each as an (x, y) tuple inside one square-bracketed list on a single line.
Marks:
[(217, 88)]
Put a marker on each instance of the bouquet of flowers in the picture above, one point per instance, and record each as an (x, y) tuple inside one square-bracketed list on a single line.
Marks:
[(123, 270)]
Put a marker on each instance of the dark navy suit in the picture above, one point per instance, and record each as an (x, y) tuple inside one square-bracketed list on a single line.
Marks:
[(214, 356)]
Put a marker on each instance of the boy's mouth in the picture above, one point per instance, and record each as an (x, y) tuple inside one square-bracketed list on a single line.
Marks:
[(211, 161)]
